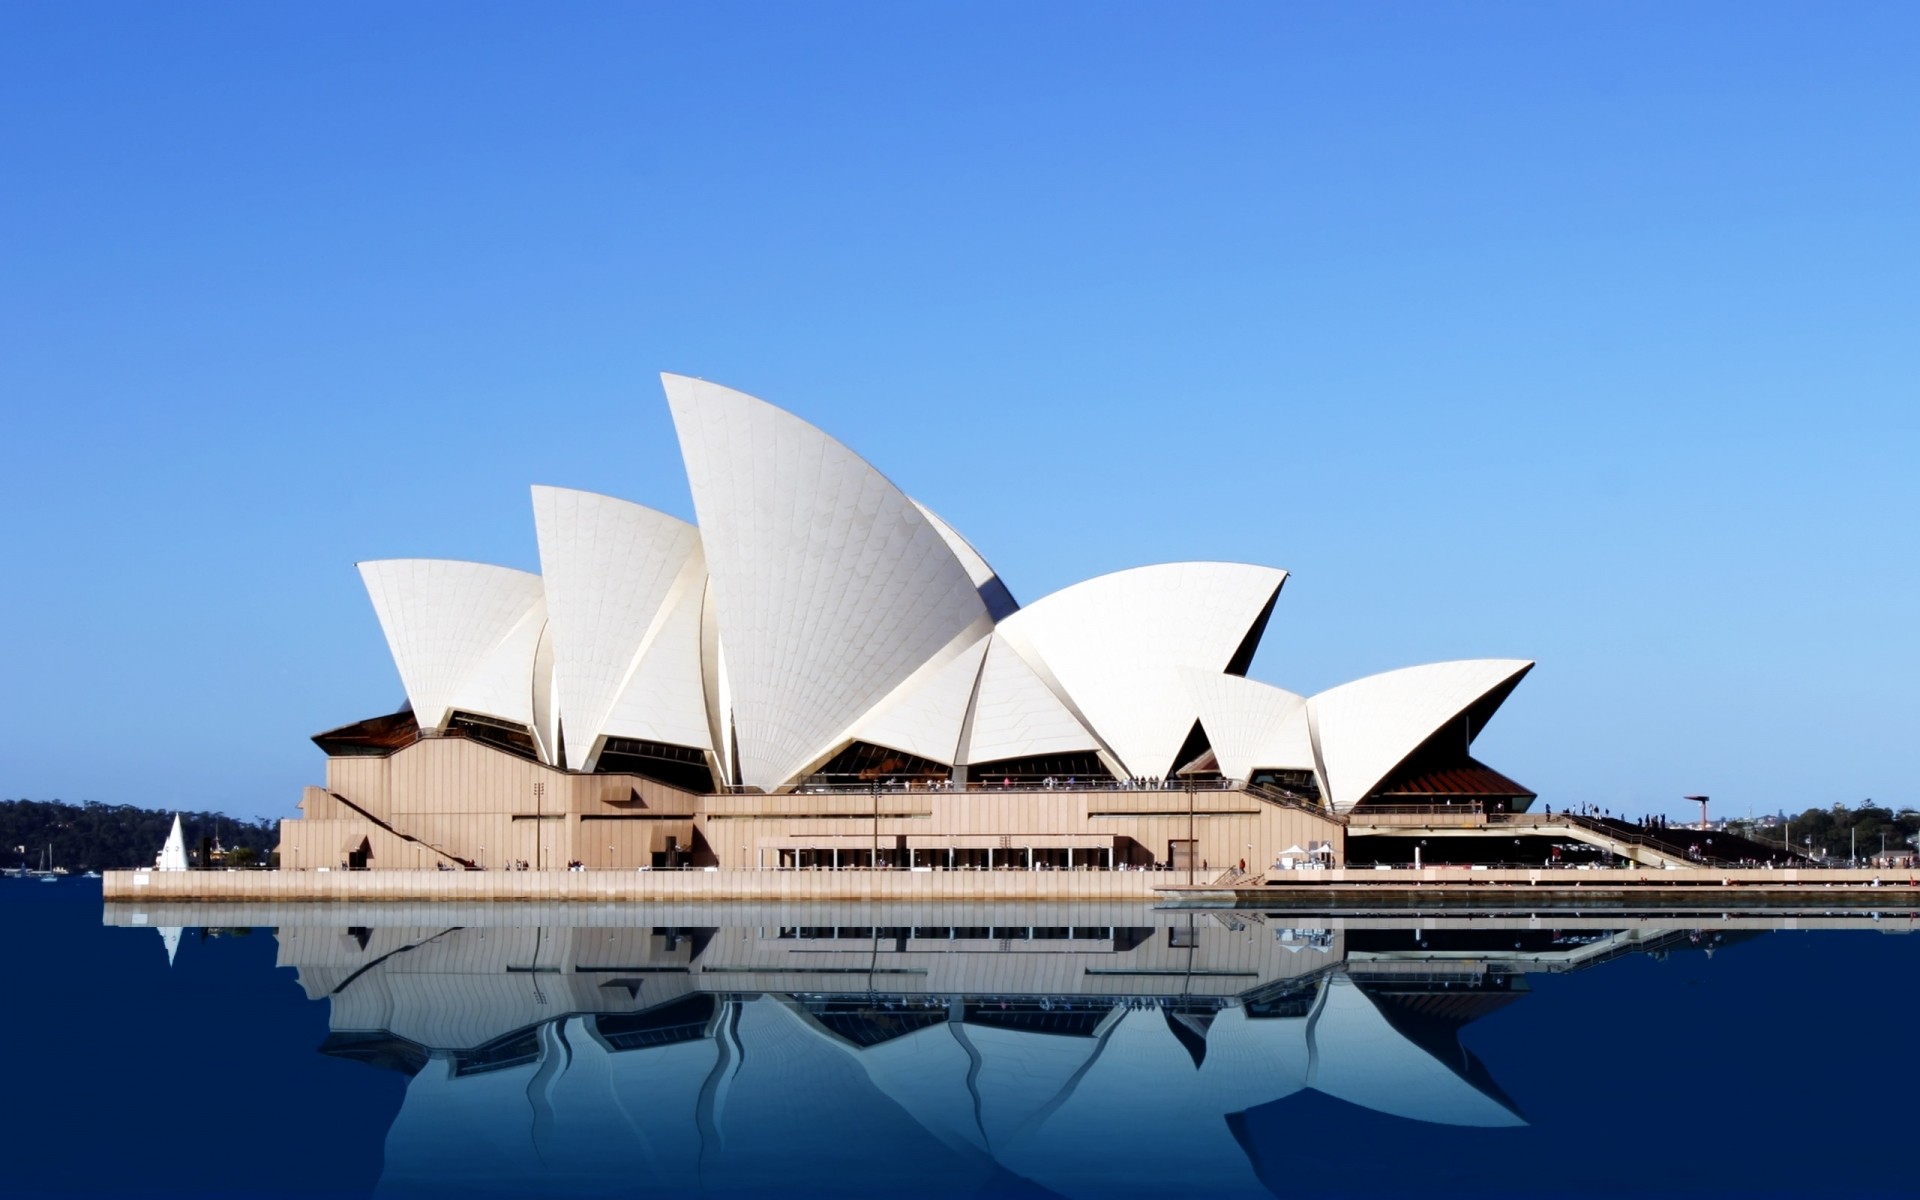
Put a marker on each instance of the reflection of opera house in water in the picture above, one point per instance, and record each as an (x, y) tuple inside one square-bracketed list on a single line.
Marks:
[(725, 1056)]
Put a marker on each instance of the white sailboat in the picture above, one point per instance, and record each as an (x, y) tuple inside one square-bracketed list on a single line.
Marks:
[(46, 871), (173, 855)]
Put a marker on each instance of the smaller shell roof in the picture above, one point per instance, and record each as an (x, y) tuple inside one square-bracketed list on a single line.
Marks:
[(1250, 724), (462, 634), (1364, 729), (1117, 644)]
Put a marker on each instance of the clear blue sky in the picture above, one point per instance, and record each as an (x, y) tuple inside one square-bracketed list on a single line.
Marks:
[(1576, 332)]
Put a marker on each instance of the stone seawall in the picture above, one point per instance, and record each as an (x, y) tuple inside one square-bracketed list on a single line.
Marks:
[(1457, 888), (1399, 888), (600, 887)]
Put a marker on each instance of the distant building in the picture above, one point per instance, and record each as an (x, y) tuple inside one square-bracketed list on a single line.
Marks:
[(824, 673)]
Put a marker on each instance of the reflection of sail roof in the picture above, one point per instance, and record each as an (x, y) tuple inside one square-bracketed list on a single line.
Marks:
[(623, 586), (998, 1091), (927, 1072), (1364, 729), (832, 586), (462, 635), (1361, 1058), (1250, 724), (1117, 644), (798, 1085), (1141, 1088)]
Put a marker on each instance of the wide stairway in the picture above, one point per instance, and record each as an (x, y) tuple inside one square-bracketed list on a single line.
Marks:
[(1696, 847), (1649, 846)]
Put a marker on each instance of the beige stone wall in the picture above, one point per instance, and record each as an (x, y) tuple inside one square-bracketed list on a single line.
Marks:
[(307, 844), (1142, 825), (480, 804)]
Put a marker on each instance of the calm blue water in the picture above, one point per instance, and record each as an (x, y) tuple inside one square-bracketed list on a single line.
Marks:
[(1098, 1051)]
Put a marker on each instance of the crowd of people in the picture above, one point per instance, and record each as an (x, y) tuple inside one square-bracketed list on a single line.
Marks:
[(942, 783)]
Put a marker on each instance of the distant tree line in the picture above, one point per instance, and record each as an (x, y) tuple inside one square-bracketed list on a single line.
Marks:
[(1839, 831), (102, 837)]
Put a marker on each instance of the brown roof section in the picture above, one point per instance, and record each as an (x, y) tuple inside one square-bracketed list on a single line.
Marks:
[(373, 736), (1465, 778)]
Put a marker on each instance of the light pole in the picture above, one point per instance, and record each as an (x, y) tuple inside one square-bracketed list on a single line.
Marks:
[(1192, 845), (539, 827), (1702, 802)]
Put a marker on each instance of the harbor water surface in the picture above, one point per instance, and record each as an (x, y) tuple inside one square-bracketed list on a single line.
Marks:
[(1096, 1050)]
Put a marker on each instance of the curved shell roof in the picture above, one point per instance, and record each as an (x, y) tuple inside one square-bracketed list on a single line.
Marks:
[(1118, 643), (927, 714), (832, 586), (993, 593), (1251, 724), (816, 604), (462, 634), (616, 575), (1017, 714), (1364, 729)]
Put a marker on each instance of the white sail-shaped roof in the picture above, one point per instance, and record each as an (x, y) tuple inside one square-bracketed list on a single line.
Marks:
[(926, 714), (1116, 645), (1250, 724), (546, 707), (173, 854), (1364, 729), (1017, 715), (462, 634), (713, 680), (832, 586), (503, 684), (616, 574), (664, 699), (993, 593)]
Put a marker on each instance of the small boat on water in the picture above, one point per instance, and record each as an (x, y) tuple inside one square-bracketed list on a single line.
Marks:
[(46, 873)]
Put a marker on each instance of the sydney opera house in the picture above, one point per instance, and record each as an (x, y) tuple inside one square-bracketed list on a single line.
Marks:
[(823, 673)]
